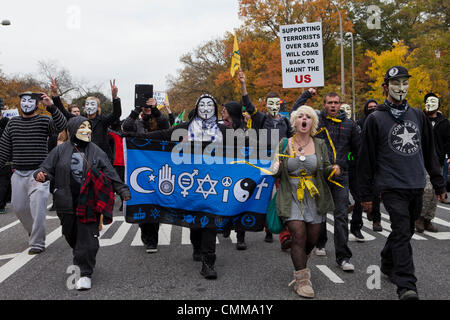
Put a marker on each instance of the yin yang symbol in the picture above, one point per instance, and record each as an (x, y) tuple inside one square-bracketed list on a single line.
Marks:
[(243, 189)]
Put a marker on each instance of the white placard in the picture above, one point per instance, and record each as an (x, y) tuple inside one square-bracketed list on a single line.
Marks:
[(9, 113), (160, 97), (302, 55)]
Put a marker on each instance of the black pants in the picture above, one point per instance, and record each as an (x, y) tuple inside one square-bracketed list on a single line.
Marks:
[(404, 207), (149, 233), (83, 239), (5, 186), (356, 223), (340, 198), (376, 215), (204, 240)]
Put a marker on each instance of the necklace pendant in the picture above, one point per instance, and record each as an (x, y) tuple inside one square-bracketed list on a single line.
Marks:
[(302, 158)]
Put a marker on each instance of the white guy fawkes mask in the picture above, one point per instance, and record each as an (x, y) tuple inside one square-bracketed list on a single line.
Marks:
[(91, 107), (398, 88), (28, 104), (206, 108), (84, 132), (432, 104), (347, 109), (273, 106)]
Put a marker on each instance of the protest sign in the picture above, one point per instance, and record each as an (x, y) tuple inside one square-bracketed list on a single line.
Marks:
[(302, 55), (161, 98)]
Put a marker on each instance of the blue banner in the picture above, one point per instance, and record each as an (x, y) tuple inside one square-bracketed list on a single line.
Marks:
[(201, 191)]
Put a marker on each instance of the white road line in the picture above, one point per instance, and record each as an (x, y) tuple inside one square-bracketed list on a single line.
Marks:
[(438, 235), (9, 256), (330, 274), (185, 236), (369, 225), (441, 222), (367, 237), (442, 207), (118, 236), (23, 258), (12, 224)]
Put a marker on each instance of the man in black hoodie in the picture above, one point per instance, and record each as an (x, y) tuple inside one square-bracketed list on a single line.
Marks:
[(441, 130), (397, 145), (375, 215)]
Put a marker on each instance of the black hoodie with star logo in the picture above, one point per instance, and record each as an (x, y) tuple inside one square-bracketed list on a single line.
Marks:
[(395, 155)]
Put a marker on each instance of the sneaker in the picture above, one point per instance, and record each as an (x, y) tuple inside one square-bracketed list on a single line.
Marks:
[(151, 248), (241, 246), (408, 295), (286, 244), (357, 235), (347, 266), (3, 211), (84, 283), (34, 251), (269, 237), (320, 252), (376, 226)]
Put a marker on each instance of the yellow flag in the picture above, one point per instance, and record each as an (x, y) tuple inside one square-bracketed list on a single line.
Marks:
[(236, 59)]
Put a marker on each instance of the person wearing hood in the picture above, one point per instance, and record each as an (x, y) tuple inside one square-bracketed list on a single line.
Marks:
[(441, 131), (343, 137), (375, 215), (24, 140), (203, 126), (92, 110), (83, 177), (397, 145), (151, 119)]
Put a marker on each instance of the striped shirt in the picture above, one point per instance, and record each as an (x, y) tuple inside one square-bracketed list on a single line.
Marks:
[(24, 140)]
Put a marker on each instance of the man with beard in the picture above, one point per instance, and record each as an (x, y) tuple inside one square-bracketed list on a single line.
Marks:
[(441, 130), (25, 142), (397, 145)]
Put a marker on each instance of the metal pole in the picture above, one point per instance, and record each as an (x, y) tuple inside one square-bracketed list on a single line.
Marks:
[(353, 78), (342, 54)]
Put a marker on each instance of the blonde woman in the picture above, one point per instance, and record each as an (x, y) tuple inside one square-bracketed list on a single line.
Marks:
[(303, 197)]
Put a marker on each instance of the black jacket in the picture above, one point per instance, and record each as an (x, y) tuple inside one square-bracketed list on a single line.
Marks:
[(394, 155), (57, 167), (441, 130), (361, 121), (134, 125), (345, 136), (99, 124)]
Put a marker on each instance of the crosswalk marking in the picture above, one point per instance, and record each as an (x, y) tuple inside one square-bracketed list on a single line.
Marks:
[(367, 237), (330, 274)]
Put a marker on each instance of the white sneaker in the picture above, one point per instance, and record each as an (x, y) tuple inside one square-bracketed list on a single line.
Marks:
[(347, 266), (321, 252), (84, 283)]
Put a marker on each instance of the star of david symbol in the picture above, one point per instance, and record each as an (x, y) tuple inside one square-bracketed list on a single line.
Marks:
[(212, 184)]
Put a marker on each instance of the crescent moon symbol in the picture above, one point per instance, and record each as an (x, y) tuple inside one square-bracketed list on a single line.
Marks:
[(133, 180)]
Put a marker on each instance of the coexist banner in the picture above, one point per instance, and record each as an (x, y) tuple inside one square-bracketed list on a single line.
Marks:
[(199, 192)]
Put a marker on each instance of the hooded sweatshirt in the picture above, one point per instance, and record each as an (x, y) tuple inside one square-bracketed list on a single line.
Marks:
[(395, 155), (441, 130), (361, 121)]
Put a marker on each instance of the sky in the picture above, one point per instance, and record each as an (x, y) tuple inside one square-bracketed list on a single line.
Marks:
[(132, 41)]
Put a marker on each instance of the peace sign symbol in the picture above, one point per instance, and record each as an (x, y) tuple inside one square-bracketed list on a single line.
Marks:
[(227, 181)]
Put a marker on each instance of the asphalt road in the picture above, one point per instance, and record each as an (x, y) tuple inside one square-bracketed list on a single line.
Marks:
[(262, 272)]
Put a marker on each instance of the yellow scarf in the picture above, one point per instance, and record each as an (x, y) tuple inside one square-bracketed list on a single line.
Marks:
[(334, 119), (305, 182)]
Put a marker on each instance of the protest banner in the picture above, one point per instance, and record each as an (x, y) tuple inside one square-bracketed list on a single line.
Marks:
[(194, 194), (302, 55)]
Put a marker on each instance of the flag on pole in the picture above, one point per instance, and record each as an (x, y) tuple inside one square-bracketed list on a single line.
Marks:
[(236, 58), (179, 119)]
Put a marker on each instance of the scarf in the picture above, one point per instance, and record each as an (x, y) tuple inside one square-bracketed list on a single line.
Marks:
[(204, 130), (397, 111)]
